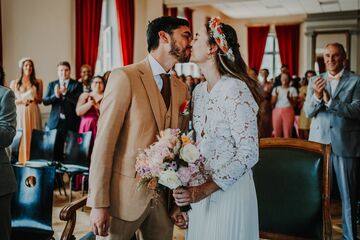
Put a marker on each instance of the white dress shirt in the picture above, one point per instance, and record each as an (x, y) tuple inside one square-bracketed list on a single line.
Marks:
[(335, 82), (156, 69), (66, 81)]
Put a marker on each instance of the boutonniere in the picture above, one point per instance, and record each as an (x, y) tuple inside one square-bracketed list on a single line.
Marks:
[(184, 108)]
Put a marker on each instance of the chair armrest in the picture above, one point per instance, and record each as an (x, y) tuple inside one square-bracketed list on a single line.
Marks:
[(68, 214)]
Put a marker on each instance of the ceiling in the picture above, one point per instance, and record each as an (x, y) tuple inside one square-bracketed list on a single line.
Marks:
[(269, 8)]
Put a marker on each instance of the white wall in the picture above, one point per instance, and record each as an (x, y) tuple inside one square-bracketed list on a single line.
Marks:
[(41, 29), (145, 11)]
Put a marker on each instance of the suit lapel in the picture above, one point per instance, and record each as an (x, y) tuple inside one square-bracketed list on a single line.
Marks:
[(152, 91), (341, 83)]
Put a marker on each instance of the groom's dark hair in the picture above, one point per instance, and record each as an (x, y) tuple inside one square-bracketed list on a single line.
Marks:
[(166, 24)]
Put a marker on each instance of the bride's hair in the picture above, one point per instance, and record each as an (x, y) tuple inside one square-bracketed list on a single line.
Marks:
[(235, 67)]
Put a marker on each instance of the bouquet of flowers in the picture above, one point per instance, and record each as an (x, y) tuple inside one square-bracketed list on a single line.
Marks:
[(170, 162)]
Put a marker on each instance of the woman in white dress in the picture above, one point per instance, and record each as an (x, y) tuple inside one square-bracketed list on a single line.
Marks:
[(224, 204)]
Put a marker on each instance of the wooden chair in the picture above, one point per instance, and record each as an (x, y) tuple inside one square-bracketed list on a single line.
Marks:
[(293, 189), (68, 214), (76, 156)]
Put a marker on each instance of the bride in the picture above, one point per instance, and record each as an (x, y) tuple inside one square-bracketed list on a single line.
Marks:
[(224, 204)]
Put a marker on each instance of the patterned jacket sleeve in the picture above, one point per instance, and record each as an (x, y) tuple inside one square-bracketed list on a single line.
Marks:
[(241, 113)]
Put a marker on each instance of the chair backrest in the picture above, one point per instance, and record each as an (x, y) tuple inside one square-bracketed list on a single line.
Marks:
[(293, 190), (15, 145), (43, 144), (31, 206), (77, 148)]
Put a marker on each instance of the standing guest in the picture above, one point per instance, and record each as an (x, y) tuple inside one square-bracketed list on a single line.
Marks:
[(284, 99), (62, 95), (28, 95), (88, 109), (88, 106), (2, 76), (8, 181), (265, 125), (304, 122), (224, 204), (333, 101), (284, 69), (85, 77), (140, 101)]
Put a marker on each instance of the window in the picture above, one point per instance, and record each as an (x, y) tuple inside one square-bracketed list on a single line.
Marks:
[(109, 47), (271, 59)]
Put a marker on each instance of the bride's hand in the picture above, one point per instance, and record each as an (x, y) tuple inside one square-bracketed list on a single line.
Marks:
[(185, 196), (182, 196)]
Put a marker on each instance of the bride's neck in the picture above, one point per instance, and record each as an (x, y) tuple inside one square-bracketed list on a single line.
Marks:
[(211, 73)]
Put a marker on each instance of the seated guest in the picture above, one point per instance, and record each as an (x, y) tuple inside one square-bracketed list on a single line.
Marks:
[(304, 122), (85, 76), (8, 181), (28, 95), (284, 98), (88, 109), (62, 95), (265, 125)]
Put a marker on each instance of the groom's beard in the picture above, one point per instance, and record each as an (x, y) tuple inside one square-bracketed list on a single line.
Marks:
[(180, 54)]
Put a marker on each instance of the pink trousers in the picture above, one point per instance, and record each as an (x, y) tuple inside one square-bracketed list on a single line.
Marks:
[(283, 121)]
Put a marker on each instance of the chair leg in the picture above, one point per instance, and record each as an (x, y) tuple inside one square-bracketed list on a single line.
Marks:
[(62, 183), (58, 184), (70, 182), (83, 185)]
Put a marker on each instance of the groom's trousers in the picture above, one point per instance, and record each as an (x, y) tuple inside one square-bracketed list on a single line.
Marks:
[(154, 224), (346, 171)]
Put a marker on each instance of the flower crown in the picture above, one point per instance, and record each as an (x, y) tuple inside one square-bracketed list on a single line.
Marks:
[(219, 36), (21, 62)]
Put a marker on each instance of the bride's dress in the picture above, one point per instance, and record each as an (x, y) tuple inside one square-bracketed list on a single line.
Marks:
[(225, 125)]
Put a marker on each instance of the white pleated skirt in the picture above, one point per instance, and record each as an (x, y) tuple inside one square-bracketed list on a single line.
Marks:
[(226, 215)]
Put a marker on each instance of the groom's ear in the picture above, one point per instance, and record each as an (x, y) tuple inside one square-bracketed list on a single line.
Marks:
[(164, 37)]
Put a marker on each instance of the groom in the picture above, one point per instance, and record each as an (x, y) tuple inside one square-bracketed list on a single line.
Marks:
[(140, 100)]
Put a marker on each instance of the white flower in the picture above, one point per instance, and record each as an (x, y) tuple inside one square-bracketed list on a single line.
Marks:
[(169, 179), (189, 153)]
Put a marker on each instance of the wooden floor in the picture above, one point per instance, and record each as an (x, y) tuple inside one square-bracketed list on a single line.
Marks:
[(82, 226)]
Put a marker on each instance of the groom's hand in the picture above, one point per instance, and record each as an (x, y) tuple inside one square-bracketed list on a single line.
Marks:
[(179, 218), (100, 219)]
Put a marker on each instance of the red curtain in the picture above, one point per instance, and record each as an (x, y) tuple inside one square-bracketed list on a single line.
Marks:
[(88, 20), (288, 37), (256, 45), (188, 15), (126, 18), (169, 11)]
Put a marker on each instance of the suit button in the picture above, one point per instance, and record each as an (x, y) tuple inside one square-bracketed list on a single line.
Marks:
[(330, 127)]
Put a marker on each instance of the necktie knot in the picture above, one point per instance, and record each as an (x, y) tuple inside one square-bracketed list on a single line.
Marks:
[(165, 76)]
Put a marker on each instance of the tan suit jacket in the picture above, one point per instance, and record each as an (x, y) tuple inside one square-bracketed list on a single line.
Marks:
[(131, 115)]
